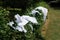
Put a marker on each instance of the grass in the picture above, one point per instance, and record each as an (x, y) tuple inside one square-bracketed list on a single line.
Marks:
[(51, 29)]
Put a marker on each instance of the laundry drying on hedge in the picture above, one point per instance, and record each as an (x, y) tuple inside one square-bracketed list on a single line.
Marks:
[(40, 10), (22, 21)]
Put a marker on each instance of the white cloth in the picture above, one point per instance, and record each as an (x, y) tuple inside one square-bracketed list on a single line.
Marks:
[(44, 11), (10, 23), (31, 19), (22, 21), (34, 12), (21, 29)]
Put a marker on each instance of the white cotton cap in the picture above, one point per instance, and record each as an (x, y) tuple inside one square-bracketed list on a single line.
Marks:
[(31, 19), (10, 23)]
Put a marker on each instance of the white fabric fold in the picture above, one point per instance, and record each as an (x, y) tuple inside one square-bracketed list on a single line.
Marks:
[(31, 19), (10, 23), (22, 21), (44, 11), (40, 8)]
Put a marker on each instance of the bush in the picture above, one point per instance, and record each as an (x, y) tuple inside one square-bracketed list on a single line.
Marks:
[(8, 33), (19, 3)]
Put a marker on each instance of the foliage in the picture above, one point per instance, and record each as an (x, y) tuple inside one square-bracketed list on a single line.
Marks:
[(23, 4), (8, 33)]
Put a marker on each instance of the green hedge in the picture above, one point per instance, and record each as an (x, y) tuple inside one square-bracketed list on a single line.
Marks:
[(8, 33)]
